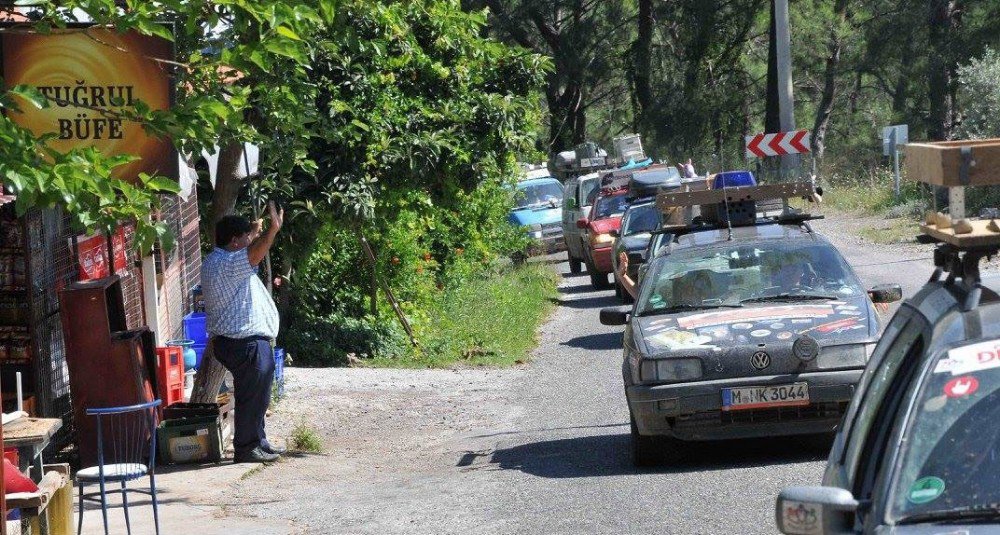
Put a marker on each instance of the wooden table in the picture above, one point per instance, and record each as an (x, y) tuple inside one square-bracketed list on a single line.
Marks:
[(30, 436)]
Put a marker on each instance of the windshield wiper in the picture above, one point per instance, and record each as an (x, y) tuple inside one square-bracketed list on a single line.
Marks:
[(969, 513), (790, 297), (678, 308)]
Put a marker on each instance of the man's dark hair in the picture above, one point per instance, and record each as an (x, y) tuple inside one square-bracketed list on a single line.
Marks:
[(230, 227)]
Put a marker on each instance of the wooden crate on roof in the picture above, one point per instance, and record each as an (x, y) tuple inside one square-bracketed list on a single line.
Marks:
[(942, 163)]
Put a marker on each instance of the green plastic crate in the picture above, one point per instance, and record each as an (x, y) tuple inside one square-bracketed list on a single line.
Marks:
[(190, 440)]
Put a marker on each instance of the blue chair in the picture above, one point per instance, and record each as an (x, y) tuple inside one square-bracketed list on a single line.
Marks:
[(126, 450)]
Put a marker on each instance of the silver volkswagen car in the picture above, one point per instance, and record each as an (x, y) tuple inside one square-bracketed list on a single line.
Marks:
[(760, 330)]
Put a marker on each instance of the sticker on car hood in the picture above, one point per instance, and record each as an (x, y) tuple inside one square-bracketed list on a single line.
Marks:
[(771, 313)]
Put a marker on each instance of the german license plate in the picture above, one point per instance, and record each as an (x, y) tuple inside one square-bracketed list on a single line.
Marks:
[(759, 397)]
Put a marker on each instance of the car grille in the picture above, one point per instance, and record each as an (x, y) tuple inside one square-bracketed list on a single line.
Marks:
[(816, 411)]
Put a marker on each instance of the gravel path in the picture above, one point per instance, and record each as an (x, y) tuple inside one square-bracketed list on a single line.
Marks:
[(541, 448)]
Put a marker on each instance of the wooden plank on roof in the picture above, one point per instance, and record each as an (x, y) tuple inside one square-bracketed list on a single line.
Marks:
[(669, 199)]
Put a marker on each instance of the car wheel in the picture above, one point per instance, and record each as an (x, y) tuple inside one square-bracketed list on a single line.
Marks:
[(643, 448), (575, 265), (599, 281)]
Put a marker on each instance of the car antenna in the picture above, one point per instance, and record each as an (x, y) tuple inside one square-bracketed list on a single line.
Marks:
[(729, 215)]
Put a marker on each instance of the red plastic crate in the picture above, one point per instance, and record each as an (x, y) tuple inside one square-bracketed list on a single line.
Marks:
[(170, 374)]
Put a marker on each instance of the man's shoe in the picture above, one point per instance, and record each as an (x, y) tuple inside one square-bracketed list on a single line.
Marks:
[(274, 450), (256, 455)]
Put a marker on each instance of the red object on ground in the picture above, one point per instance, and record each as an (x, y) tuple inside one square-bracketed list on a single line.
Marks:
[(170, 375), (15, 481)]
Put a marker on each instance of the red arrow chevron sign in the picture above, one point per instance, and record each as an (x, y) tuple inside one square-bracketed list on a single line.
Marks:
[(778, 144)]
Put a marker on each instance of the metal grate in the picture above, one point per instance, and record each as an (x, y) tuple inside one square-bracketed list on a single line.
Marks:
[(815, 411)]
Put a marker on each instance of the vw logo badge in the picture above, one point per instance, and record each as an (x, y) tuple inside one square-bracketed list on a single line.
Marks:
[(760, 360)]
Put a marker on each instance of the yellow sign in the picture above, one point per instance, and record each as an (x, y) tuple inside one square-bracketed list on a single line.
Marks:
[(90, 75)]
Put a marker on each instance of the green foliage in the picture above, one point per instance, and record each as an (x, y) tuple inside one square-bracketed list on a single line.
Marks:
[(267, 102), (489, 319), (420, 121), (980, 93), (305, 439)]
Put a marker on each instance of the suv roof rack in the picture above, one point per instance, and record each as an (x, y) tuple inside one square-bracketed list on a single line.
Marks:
[(962, 243)]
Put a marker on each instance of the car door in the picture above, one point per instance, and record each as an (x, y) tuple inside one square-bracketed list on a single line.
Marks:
[(856, 458)]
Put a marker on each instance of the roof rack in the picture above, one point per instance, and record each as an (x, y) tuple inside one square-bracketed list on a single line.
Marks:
[(962, 243), (705, 194)]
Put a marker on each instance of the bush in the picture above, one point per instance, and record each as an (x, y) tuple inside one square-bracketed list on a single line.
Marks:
[(328, 340)]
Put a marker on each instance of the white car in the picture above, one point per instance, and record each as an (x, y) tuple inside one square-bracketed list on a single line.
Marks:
[(578, 196)]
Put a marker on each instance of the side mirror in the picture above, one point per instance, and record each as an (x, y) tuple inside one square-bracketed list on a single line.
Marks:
[(820, 510), (581, 223), (885, 293), (615, 315), (614, 233)]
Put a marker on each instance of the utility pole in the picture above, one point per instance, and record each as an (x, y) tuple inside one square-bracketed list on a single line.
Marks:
[(786, 103)]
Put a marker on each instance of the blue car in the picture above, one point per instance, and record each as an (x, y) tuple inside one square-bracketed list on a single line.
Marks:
[(538, 210)]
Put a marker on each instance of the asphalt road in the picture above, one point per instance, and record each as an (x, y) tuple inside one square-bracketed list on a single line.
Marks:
[(539, 449)]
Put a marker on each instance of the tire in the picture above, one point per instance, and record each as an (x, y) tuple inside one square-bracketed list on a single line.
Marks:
[(575, 265), (643, 448), (599, 281)]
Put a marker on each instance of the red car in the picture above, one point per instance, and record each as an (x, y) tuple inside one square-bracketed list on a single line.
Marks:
[(605, 216)]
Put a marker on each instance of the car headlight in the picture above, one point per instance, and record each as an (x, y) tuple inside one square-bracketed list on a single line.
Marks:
[(843, 356), (601, 239), (670, 369)]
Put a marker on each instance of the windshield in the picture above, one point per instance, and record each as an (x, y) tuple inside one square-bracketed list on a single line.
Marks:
[(736, 274), (951, 458), (609, 206), (641, 218), (537, 194)]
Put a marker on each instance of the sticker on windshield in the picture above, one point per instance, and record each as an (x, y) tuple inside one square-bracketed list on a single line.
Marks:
[(971, 358), (784, 336), (760, 333), (935, 403), (742, 326), (960, 387), (926, 490), (777, 326)]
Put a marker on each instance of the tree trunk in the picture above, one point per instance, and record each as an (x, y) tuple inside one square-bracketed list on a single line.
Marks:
[(772, 119), (642, 63), (825, 107), (228, 185), (939, 69)]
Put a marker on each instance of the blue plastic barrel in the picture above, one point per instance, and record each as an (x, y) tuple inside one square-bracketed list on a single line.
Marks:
[(279, 370), (194, 328)]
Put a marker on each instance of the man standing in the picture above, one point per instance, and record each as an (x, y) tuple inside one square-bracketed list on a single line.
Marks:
[(243, 322)]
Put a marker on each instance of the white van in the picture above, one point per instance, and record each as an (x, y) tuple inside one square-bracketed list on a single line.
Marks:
[(578, 195)]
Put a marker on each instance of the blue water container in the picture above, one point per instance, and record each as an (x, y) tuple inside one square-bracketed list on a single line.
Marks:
[(194, 328), (190, 357)]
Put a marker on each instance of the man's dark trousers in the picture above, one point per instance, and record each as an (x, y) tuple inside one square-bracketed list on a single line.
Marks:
[(251, 361)]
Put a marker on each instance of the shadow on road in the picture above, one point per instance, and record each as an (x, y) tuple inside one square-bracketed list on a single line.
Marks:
[(594, 302), (608, 455), (597, 342)]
